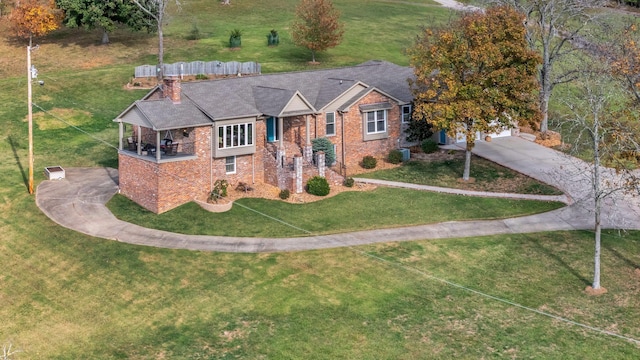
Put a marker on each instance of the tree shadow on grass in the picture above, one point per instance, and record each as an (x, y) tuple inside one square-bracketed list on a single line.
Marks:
[(617, 254), (14, 148), (552, 255)]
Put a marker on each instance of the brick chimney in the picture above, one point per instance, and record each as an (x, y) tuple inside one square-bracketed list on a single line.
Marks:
[(172, 89)]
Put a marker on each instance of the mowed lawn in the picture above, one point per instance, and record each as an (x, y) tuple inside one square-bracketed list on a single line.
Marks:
[(65, 295)]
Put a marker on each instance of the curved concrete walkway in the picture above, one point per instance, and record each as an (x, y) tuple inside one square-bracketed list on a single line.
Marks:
[(78, 203)]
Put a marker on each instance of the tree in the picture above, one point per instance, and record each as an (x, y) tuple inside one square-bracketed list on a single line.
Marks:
[(475, 75), (317, 27), (626, 63), (35, 18), (600, 114), (551, 26), (103, 14), (156, 9)]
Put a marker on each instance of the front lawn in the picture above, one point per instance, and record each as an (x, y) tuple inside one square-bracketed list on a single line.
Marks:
[(487, 176), (347, 211), (69, 296)]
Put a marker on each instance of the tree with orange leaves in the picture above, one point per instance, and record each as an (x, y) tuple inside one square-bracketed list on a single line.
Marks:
[(476, 75), (33, 18), (626, 64)]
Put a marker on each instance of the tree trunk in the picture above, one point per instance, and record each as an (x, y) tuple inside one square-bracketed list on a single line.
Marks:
[(544, 107), (467, 163), (160, 52), (313, 56), (545, 80), (598, 203), (105, 37)]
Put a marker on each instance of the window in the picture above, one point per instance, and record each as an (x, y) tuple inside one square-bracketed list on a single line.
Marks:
[(230, 164), (331, 124), (230, 136), (406, 113), (376, 121)]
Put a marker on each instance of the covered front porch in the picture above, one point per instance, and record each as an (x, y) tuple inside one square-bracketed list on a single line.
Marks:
[(150, 144)]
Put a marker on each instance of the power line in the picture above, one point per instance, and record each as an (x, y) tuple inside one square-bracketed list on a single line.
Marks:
[(395, 263)]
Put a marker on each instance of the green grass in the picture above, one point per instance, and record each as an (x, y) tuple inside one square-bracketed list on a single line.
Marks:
[(65, 295), (106, 300), (488, 176), (348, 211)]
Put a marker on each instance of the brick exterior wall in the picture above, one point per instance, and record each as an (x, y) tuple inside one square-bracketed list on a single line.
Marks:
[(160, 187), (355, 147)]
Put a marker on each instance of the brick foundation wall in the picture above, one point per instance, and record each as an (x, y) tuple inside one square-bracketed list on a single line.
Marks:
[(160, 187)]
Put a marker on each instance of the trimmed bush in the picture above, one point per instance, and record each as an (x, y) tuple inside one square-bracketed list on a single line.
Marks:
[(395, 156), (369, 162), (429, 146), (325, 145), (284, 194), (349, 182), (318, 186)]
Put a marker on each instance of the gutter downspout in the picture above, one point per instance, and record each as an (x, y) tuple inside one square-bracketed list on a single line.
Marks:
[(344, 151)]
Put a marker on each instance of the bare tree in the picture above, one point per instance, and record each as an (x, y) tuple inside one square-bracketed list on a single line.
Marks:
[(156, 9), (610, 133), (552, 25)]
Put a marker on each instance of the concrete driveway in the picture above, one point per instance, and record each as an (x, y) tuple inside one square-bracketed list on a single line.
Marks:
[(78, 203)]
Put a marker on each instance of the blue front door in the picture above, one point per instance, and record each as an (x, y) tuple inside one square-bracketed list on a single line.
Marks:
[(443, 137), (272, 129)]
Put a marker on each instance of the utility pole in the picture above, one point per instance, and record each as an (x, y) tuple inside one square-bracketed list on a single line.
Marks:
[(29, 103)]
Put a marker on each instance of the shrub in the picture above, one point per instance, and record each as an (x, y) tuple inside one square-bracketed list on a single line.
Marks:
[(318, 186), (284, 194), (395, 156), (201, 77), (194, 34), (219, 190), (429, 146), (369, 162), (418, 130), (325, 145), (349, 182)]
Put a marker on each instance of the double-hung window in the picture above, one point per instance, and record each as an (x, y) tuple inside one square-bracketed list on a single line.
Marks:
[(230, 164), (236, 135), (406, 113), (331, 124), (376, 121)]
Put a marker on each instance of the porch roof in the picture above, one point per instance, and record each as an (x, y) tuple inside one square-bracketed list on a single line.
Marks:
[(163, 114)]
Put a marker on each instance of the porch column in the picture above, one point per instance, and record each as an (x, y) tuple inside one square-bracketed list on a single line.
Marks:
[(120, 134), (158, 145), (308, 130), (320, 162), (297, 166), (280, 153), (307, 151), (139, 140), (280, 141)]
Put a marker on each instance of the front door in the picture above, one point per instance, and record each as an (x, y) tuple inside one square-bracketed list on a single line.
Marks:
[(272, 129)]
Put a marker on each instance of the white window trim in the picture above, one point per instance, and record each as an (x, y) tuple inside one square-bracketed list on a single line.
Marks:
[(226, 164), (327, 124), (402, 113), (375, 121), (248, 135)]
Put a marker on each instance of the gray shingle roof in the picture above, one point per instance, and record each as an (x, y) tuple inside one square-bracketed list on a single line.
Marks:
[(206, 101)]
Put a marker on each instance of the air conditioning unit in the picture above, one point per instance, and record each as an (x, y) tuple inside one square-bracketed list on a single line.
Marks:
[(406, 154)]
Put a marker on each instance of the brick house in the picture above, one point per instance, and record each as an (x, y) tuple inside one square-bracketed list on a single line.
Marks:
[(182, 137)]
